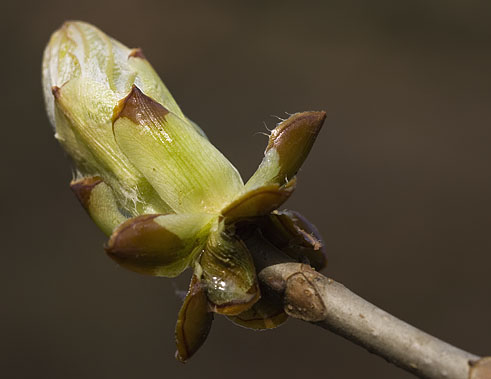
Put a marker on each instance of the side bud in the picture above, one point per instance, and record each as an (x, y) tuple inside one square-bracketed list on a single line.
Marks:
[(289, 144)]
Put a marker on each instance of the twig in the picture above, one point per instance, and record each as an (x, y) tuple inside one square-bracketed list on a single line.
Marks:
[(310, 296)]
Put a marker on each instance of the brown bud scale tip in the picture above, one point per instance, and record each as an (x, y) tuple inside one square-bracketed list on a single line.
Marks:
[(140, 236), (296, 126), (82, 188), (55, 90), (139, 108), (137, 53)]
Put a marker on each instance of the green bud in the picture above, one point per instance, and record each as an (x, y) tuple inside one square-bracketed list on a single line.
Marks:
[(289, 144), (151, 180)]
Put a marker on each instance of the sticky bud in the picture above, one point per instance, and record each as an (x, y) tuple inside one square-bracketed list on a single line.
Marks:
[(151, 180)]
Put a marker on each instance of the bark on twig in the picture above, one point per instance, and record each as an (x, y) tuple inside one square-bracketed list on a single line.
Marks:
[(312, 297)]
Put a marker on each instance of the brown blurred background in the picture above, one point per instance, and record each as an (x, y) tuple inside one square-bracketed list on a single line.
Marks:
[(399, 181)]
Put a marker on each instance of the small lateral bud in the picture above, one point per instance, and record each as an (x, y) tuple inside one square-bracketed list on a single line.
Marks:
[(289, 144)]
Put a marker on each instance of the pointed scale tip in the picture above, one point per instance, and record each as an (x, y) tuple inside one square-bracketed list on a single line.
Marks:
[(130, 237), (55, 90), (304, 125), (82, 188), (137, 53), (292, 140), (138, 107)]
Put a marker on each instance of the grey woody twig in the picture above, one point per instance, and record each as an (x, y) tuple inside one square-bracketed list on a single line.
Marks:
[(310, 296)]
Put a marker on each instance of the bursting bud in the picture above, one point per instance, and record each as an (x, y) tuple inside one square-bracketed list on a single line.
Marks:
[(166, 197)]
